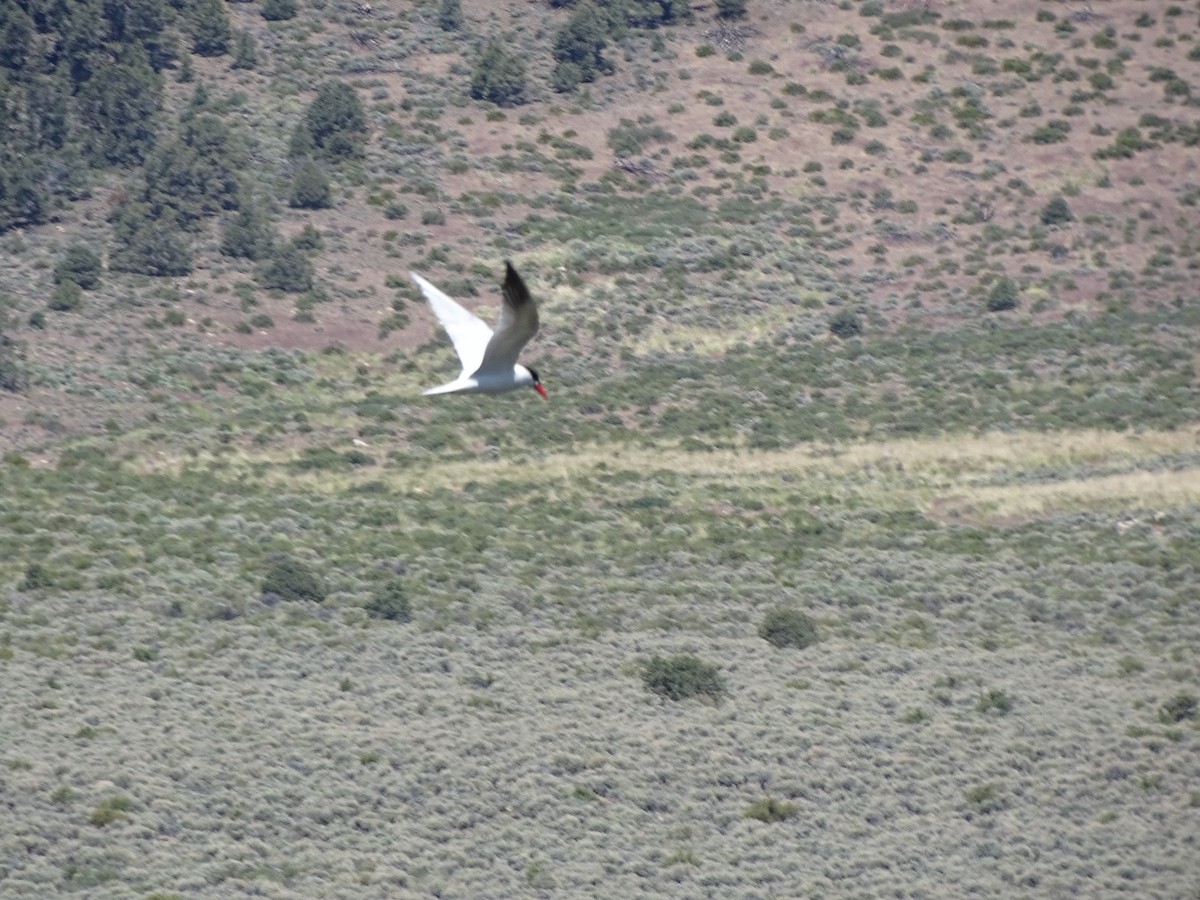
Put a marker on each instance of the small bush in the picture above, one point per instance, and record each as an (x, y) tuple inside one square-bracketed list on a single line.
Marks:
[(683, 676), (79, 264), (278, 10), (290, 579), (390, 602), (786, 627), (845, 324), (499, 76), (1178, 708), (110, 810), (731, 9), (1128, 142), (771, 810), (1056, 212), (1053, 132), (288, 269), (36, 578), (310, 188), (68, 296), (996, 701), (1002, 296)]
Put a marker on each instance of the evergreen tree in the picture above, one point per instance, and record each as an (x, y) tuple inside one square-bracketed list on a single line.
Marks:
[(208, 24), (310, 188), (245, 51), (13, 377), (278, 10), (117, 108), (249, 234), (148, 246), (334, 125), (450, 15), (195, 175), (81, 265), (652, 13), (579, 48), (499, 76), (731, 9), (23, 199), (144, 22), (288, 269), (67, 297), (16, 37)]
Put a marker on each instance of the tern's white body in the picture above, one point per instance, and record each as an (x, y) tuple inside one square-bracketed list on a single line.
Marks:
[(489, 358)]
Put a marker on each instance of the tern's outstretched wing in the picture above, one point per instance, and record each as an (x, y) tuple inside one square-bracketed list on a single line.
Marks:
[(518, 323), (469, 333)]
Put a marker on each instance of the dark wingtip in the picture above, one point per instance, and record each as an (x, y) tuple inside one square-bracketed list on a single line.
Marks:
[(514, 287)]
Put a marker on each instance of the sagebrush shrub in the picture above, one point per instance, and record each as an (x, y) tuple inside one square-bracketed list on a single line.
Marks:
[(771, 810), (290, 579), (845, 324), (1056, 212), (1178, 708), (390, 602), (683, 676), (786, 627), (79, 264), (1002, 296)]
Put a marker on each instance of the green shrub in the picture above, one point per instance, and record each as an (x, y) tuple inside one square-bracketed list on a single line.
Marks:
[(110, 810), (334, 126), (683, 676), (245, 51), (249, 234), (13, 376), (148, 245), (786, 627), (1178, 708), (1003, 295), (731, 9), (771, 810), (290, 579), (1129, 141), (995, 700), (390, 602), (310, 188), (278, 10), (288, 269), (1053, 132), (68, 296), (36, 578), (1056, 212), (79, 264), (499, 76), (845, 324)]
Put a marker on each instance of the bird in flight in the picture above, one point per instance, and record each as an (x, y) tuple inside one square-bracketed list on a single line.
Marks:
[(489, 359)]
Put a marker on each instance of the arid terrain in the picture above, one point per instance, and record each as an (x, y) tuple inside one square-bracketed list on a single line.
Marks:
[(854, 554)]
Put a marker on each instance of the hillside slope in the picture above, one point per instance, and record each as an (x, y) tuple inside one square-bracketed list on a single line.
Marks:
[(870, 332)]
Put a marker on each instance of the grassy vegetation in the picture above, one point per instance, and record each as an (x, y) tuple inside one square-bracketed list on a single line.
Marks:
[(871, 340)]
